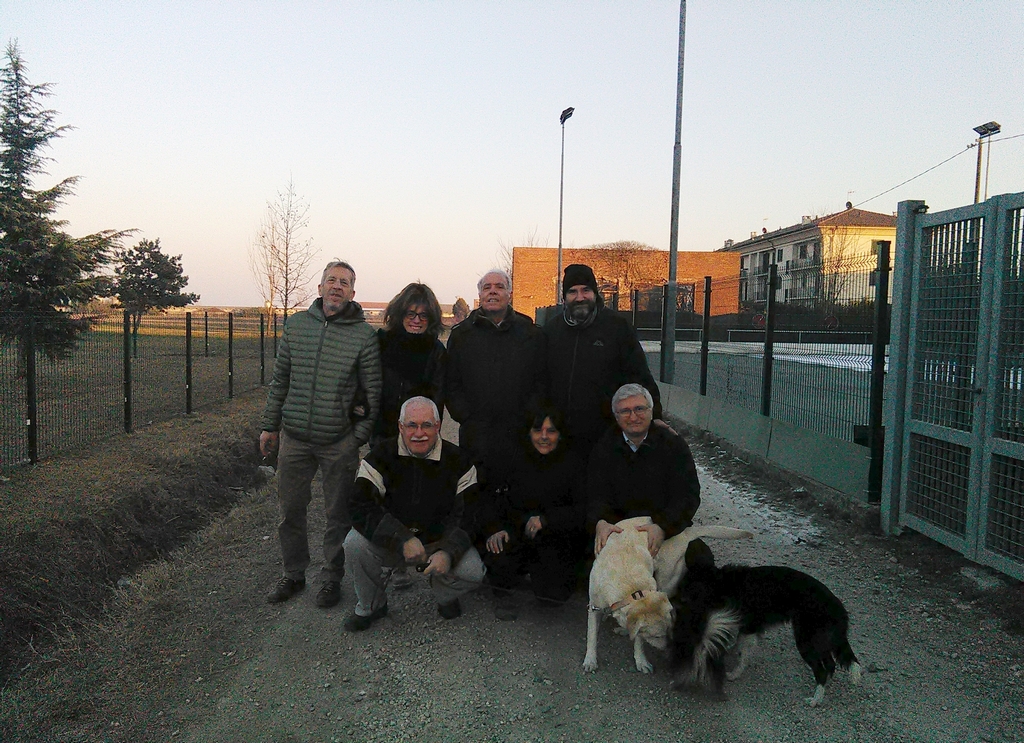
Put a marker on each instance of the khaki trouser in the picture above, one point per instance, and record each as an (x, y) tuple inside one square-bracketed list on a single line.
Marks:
[(297, 463), (367, 562)]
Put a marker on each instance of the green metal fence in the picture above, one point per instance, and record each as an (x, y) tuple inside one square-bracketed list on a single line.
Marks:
[(116, 380)]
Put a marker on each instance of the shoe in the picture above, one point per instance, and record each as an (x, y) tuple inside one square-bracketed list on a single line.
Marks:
[(451, 610), (357, 623), (329, 594), (284, 589), (400, 579)]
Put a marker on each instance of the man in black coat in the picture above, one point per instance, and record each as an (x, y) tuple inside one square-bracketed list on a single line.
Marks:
[(591, 352), (495, 372), (639, 469)]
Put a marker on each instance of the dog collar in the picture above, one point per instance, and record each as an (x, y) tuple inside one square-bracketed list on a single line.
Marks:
[(635, 596)]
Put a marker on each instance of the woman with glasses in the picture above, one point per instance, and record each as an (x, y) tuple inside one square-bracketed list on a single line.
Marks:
[(535, 526), (411, 356)]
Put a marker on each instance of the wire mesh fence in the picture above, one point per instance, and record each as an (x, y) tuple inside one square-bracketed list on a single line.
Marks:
[(820, 357), (123, 376)]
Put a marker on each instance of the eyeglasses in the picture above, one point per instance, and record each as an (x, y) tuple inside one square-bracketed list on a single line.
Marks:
[(426, 426), (638, 411), (410, 315)]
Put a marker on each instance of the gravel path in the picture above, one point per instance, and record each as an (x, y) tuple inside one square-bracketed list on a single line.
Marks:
[(937, 669)]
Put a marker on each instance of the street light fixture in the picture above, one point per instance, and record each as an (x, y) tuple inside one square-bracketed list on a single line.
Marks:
[(561, 185), (984, 131)]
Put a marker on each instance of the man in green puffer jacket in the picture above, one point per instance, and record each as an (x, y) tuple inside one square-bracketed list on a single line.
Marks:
[(328, 357)]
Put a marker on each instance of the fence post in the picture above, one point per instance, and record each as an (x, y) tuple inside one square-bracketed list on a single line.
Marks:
[(273, 314), (667, 366), (127, 371), (231, 355), (704, 333), (206, 333), (881, 338), (188, 362), (769, 341), (263, 362), (31, 401), (634, 301)]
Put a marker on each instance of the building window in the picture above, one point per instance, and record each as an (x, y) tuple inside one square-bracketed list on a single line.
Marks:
[(778, 256), (803, 251)]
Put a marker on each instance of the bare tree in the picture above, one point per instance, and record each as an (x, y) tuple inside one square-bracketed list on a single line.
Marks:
[(281, 261), (838, 248), (506, 248), (625, 265)]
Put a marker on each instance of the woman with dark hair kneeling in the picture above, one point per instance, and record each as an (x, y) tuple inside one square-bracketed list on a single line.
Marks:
[(412, 358), (536, 525)]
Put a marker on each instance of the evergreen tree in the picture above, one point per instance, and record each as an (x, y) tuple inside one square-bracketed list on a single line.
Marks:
[(43, 270), (146, 279)]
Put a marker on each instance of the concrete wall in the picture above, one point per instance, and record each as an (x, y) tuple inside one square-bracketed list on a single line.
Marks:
[(840, 465)]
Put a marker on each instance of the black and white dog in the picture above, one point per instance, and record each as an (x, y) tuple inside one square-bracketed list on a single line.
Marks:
[(717, 608)]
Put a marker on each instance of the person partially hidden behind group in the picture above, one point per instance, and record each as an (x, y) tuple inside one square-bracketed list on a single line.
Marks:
[(407, 508), (536, 525)]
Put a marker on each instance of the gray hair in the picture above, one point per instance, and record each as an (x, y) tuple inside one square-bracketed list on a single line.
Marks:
[(501, 272), (335, 264), (631, 390), (419, 400)]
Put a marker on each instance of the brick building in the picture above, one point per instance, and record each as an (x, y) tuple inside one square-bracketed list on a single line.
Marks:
[(534, 269)]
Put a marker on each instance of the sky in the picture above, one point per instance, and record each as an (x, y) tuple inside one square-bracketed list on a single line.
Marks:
[(425, 135)]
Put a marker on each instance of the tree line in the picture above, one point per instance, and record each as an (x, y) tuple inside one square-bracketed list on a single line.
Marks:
[(45, 273)]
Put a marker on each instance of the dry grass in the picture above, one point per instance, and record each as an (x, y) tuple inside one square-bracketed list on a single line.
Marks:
[(71, 527)]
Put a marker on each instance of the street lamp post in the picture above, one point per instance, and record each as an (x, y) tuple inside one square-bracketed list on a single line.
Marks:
[(561, 186), (984, 132)]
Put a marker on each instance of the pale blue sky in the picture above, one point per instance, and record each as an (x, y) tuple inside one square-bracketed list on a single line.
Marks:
[(422, 133)]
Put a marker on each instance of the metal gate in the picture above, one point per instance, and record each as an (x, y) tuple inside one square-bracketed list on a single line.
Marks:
[(954, 466)]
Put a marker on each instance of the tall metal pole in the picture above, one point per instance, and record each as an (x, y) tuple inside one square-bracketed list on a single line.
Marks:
[(561, 189), (668, 329), (977, 174)]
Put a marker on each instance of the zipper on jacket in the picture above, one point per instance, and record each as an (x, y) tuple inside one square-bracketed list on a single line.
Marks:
[(316, 377), (572, 373)]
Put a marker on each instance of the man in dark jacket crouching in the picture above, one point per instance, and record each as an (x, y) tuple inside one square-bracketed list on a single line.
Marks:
[(407, 508)]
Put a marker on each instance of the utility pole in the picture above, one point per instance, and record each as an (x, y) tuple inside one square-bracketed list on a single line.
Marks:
[(668, 330)]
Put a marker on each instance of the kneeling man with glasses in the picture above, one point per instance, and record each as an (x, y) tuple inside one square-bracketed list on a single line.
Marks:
[(407, 508)]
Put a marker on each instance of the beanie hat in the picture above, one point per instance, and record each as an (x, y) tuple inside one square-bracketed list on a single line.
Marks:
[(577, 274)]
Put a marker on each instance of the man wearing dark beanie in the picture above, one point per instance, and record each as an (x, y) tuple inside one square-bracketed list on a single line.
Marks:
[(591, 352)]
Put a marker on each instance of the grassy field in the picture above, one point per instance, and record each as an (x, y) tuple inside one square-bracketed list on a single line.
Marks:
[(81, 398)]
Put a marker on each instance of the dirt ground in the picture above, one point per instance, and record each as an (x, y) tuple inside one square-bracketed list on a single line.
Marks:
[(190, 651)]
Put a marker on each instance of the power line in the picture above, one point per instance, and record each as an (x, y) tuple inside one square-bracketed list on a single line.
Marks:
[(967, 149)]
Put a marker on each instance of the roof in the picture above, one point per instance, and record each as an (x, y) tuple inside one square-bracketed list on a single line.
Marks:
[(847, 218)]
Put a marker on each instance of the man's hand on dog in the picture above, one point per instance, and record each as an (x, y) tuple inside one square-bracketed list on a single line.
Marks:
[(604, 530), (534, 525), (268, 442), (497, 541), (655, 537)]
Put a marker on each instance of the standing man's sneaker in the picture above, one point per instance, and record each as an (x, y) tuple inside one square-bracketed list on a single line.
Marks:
[(451, 610), (284, 589), (329, 594), (357, 622)]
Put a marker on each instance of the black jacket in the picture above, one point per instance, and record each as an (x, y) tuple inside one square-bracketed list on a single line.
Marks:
[(398, 496), (494, 373), (411, 365), (552, 486), (658, 480), (586, 364)]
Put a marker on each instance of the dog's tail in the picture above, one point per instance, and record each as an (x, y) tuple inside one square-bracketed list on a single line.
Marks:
[(846, 660), (667, 570), (718, 635)]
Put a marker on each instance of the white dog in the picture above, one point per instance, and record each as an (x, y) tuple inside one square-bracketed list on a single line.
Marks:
[(623, 583)]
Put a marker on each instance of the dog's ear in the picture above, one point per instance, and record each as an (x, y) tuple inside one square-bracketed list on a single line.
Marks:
[(698, 554)]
